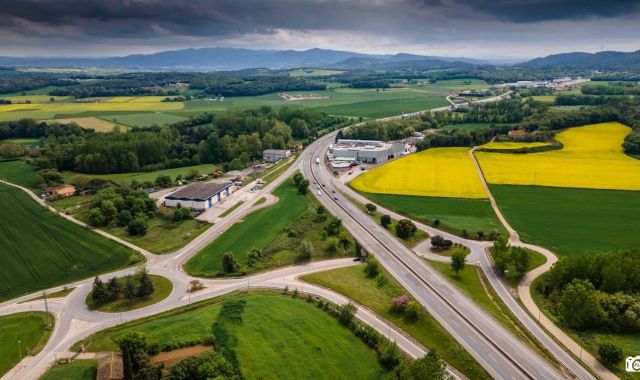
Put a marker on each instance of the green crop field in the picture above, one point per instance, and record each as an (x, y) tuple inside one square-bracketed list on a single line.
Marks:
[(257, 230), (127, 178), (378, 296), (455, 214), (277, 338), (31, 329), (19, 172), (143, 119), (76, 370), (41, 249), (572, 221)]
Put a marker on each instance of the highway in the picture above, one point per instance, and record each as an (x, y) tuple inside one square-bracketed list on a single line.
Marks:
[(502, 354)]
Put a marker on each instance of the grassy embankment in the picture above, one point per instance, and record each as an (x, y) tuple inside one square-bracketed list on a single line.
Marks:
[(355, 284), (32, 329), (42, 249), (276, 230), (276, 338), (76, 370)]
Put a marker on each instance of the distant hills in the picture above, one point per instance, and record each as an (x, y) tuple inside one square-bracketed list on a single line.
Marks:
[(605, 60), (232, 59), (236, 59)]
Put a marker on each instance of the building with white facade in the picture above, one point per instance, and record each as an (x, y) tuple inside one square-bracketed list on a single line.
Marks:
[(199, 195), (368, 151), (275, 155)]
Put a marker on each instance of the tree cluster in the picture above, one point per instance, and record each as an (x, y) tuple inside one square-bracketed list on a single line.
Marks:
[(122, 207), (510, 261), (405, 228), (129, 287)]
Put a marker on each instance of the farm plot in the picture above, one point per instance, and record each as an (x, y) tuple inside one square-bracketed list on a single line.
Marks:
[(41, 250), (143, 119), (69, 109), (90, 122), (591, 157), (127, 178), (437, 172), (572, 221)]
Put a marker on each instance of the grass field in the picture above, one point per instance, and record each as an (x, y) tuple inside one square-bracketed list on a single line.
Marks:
[(34, 98), (354, 283), (76, 370), (437, 172), (572, 221), (127, 178), (592, 157), (162, 289), (94, 123), (510, 145), (455, 214), (29, 328), (257, 230), (41, 250), (19, 172), (27, 143), (278, 338), (142, 119)]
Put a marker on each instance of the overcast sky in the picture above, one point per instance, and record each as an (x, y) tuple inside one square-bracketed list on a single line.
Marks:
[(469, 28)]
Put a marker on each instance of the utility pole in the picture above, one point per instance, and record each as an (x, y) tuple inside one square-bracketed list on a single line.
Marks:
[(46, 304)]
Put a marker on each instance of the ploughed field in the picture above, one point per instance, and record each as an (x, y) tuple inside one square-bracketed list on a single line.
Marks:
[(42, 250)]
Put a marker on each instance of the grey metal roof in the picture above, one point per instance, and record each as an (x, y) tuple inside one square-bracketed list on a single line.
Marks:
[(199, 190)]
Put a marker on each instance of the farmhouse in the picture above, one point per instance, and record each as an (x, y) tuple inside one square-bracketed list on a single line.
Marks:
[(370, 151), (62, 191), (275, 155), (199, 196)]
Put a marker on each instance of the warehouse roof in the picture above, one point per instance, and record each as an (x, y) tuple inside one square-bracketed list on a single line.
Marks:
[(199, 190)]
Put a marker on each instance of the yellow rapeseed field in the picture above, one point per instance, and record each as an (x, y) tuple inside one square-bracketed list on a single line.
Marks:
[(510, 145), (437, 172), (50, 110), (592, 157), (136, 99)]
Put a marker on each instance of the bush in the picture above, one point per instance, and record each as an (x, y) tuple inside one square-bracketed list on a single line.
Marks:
[(346, 313), (372, 267), (440, 243), (405, 229), (390, 355), (399, 304), (305, 251), (609, 354), (385, 220), (137, 227), (229, 264)]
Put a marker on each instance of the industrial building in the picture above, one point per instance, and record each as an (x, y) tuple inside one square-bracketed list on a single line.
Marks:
[(366, 151), (199, 196), (275, 155)]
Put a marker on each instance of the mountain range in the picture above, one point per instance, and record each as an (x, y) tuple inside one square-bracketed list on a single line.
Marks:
[(217, 58)]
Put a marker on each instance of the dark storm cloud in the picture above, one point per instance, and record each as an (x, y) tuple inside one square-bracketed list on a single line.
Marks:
[(96, 27), (545, 10)]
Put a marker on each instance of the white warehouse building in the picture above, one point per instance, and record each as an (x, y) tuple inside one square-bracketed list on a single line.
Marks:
[(369, 151), (199, 196)]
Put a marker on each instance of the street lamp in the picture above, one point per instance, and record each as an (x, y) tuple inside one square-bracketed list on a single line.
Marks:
[(20, 350)]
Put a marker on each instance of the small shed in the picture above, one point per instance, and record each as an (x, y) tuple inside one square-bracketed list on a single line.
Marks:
[(516, 133)]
